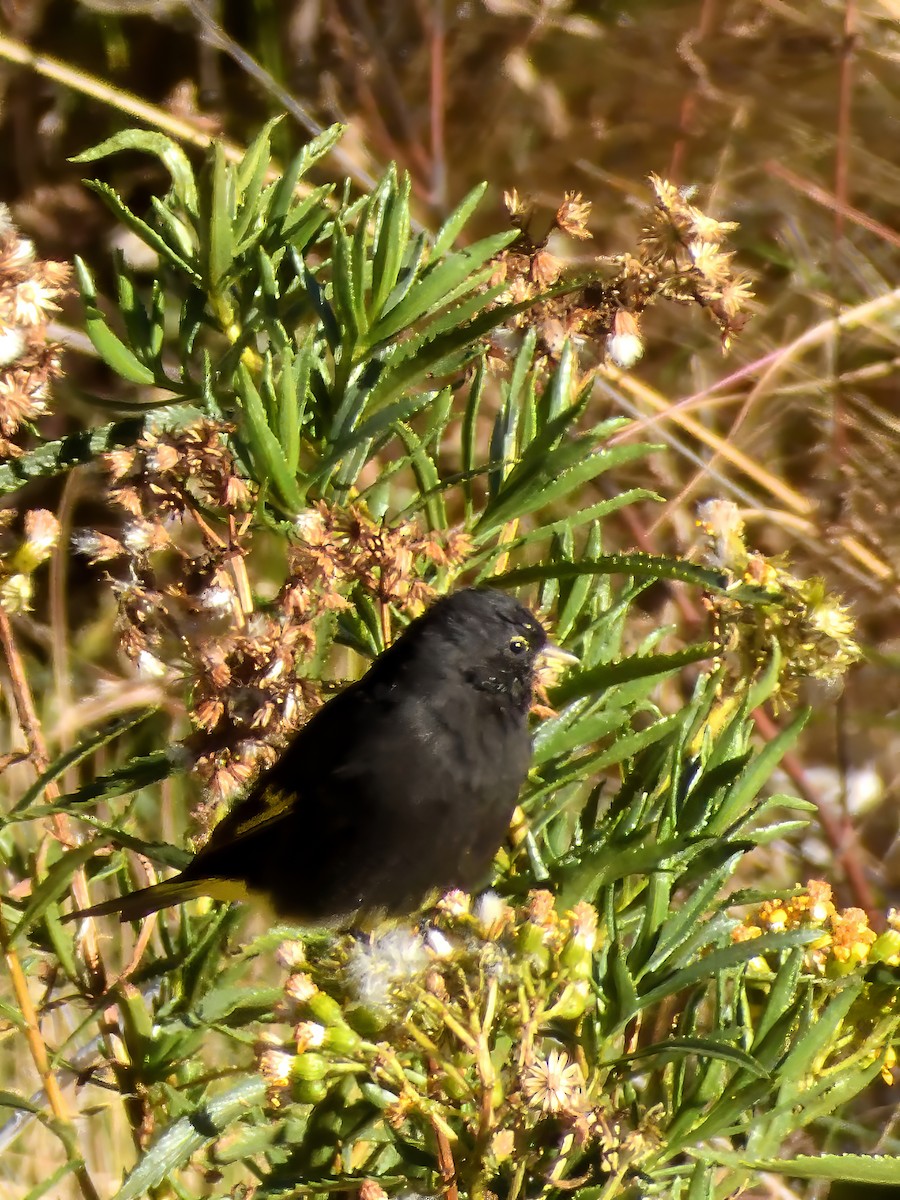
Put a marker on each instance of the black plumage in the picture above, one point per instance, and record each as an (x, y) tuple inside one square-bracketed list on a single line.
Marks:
[(400, 787)]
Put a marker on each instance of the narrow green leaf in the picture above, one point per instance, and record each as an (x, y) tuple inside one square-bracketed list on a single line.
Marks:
[(393, 238), (50, 1185), (468, 435), (871, 1169), (536, 484), (180, 238), (607, 675), (782, 996), (138, 773), (685, 919), (348, 303), (378, 423), (167, 151), (436, 284), (267, 453), (723, 959), (18, 1102), (639, 565), (177, 255), (219, 231), (811, 1043), (416, 359), (320, 146), (52, 458), (77, 754), (426, 476), (452, 227), (701, 1047), (559, 737), (760, 768), (249, 180), (111, 349), (304, 221), (289, 409), (54, 885), (184, 1137)]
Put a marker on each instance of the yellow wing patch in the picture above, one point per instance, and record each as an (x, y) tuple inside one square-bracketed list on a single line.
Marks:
[(275, 804)]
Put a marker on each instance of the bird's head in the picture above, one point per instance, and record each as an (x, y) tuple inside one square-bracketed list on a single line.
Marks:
[(492, 640)]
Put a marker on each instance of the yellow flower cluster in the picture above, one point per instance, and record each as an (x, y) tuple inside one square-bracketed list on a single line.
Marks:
[(20, 557), (846, 939), (811, 629)]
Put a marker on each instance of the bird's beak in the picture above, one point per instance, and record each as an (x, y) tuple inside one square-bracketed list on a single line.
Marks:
[(556, 656)]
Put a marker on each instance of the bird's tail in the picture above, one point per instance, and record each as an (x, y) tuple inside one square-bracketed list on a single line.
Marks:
[(148, 900)]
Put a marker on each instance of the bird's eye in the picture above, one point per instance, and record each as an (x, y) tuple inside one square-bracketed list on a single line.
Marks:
[(518, 645)]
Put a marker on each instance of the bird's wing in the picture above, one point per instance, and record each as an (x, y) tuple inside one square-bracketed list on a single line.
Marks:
[(302, 778), (266, 804)]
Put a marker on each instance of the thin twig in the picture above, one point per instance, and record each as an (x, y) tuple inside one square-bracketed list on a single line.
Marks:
[(446, 1165), (38, 1048), (62, 827)]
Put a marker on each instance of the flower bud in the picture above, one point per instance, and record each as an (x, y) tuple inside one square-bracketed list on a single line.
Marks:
[(309, 1091), (886, 948), (325, 1009), (310, 1066)]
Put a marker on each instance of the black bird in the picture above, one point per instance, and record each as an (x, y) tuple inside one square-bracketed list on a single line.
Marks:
[(401, 787)]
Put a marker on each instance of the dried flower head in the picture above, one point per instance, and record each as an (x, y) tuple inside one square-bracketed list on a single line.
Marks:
[(681, 257), (573, 214), (379, 967), (30, 291)]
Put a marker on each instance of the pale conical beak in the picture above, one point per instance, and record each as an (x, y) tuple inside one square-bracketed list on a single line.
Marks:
[(554, 655)]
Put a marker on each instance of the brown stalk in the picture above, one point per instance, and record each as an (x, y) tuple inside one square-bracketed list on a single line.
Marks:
[(842, 195), (437, 104), (446, 1165), (691, 98)]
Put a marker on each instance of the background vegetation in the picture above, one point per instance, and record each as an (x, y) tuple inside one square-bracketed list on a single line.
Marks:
[(206, 598)]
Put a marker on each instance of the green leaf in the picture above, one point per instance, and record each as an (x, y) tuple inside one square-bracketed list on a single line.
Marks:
[(684, 920), (178, 255), (426, 476), (608, 675), (250, 177), (701, 1047), (582, 516), (348, 302), (218, 232), (138, 773), (268, 456), (111, 349), (175, 1145), (639, 565), (437, 285), (429, 355), (77, 754), (845, 1168), (821, 1032), (391, 242), (561, 735), (53, 886), (18, 1103), (50, 1185), (168, 152), (452, 227), (761, 767), (52, 458), (313, 152), (722, 960)]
